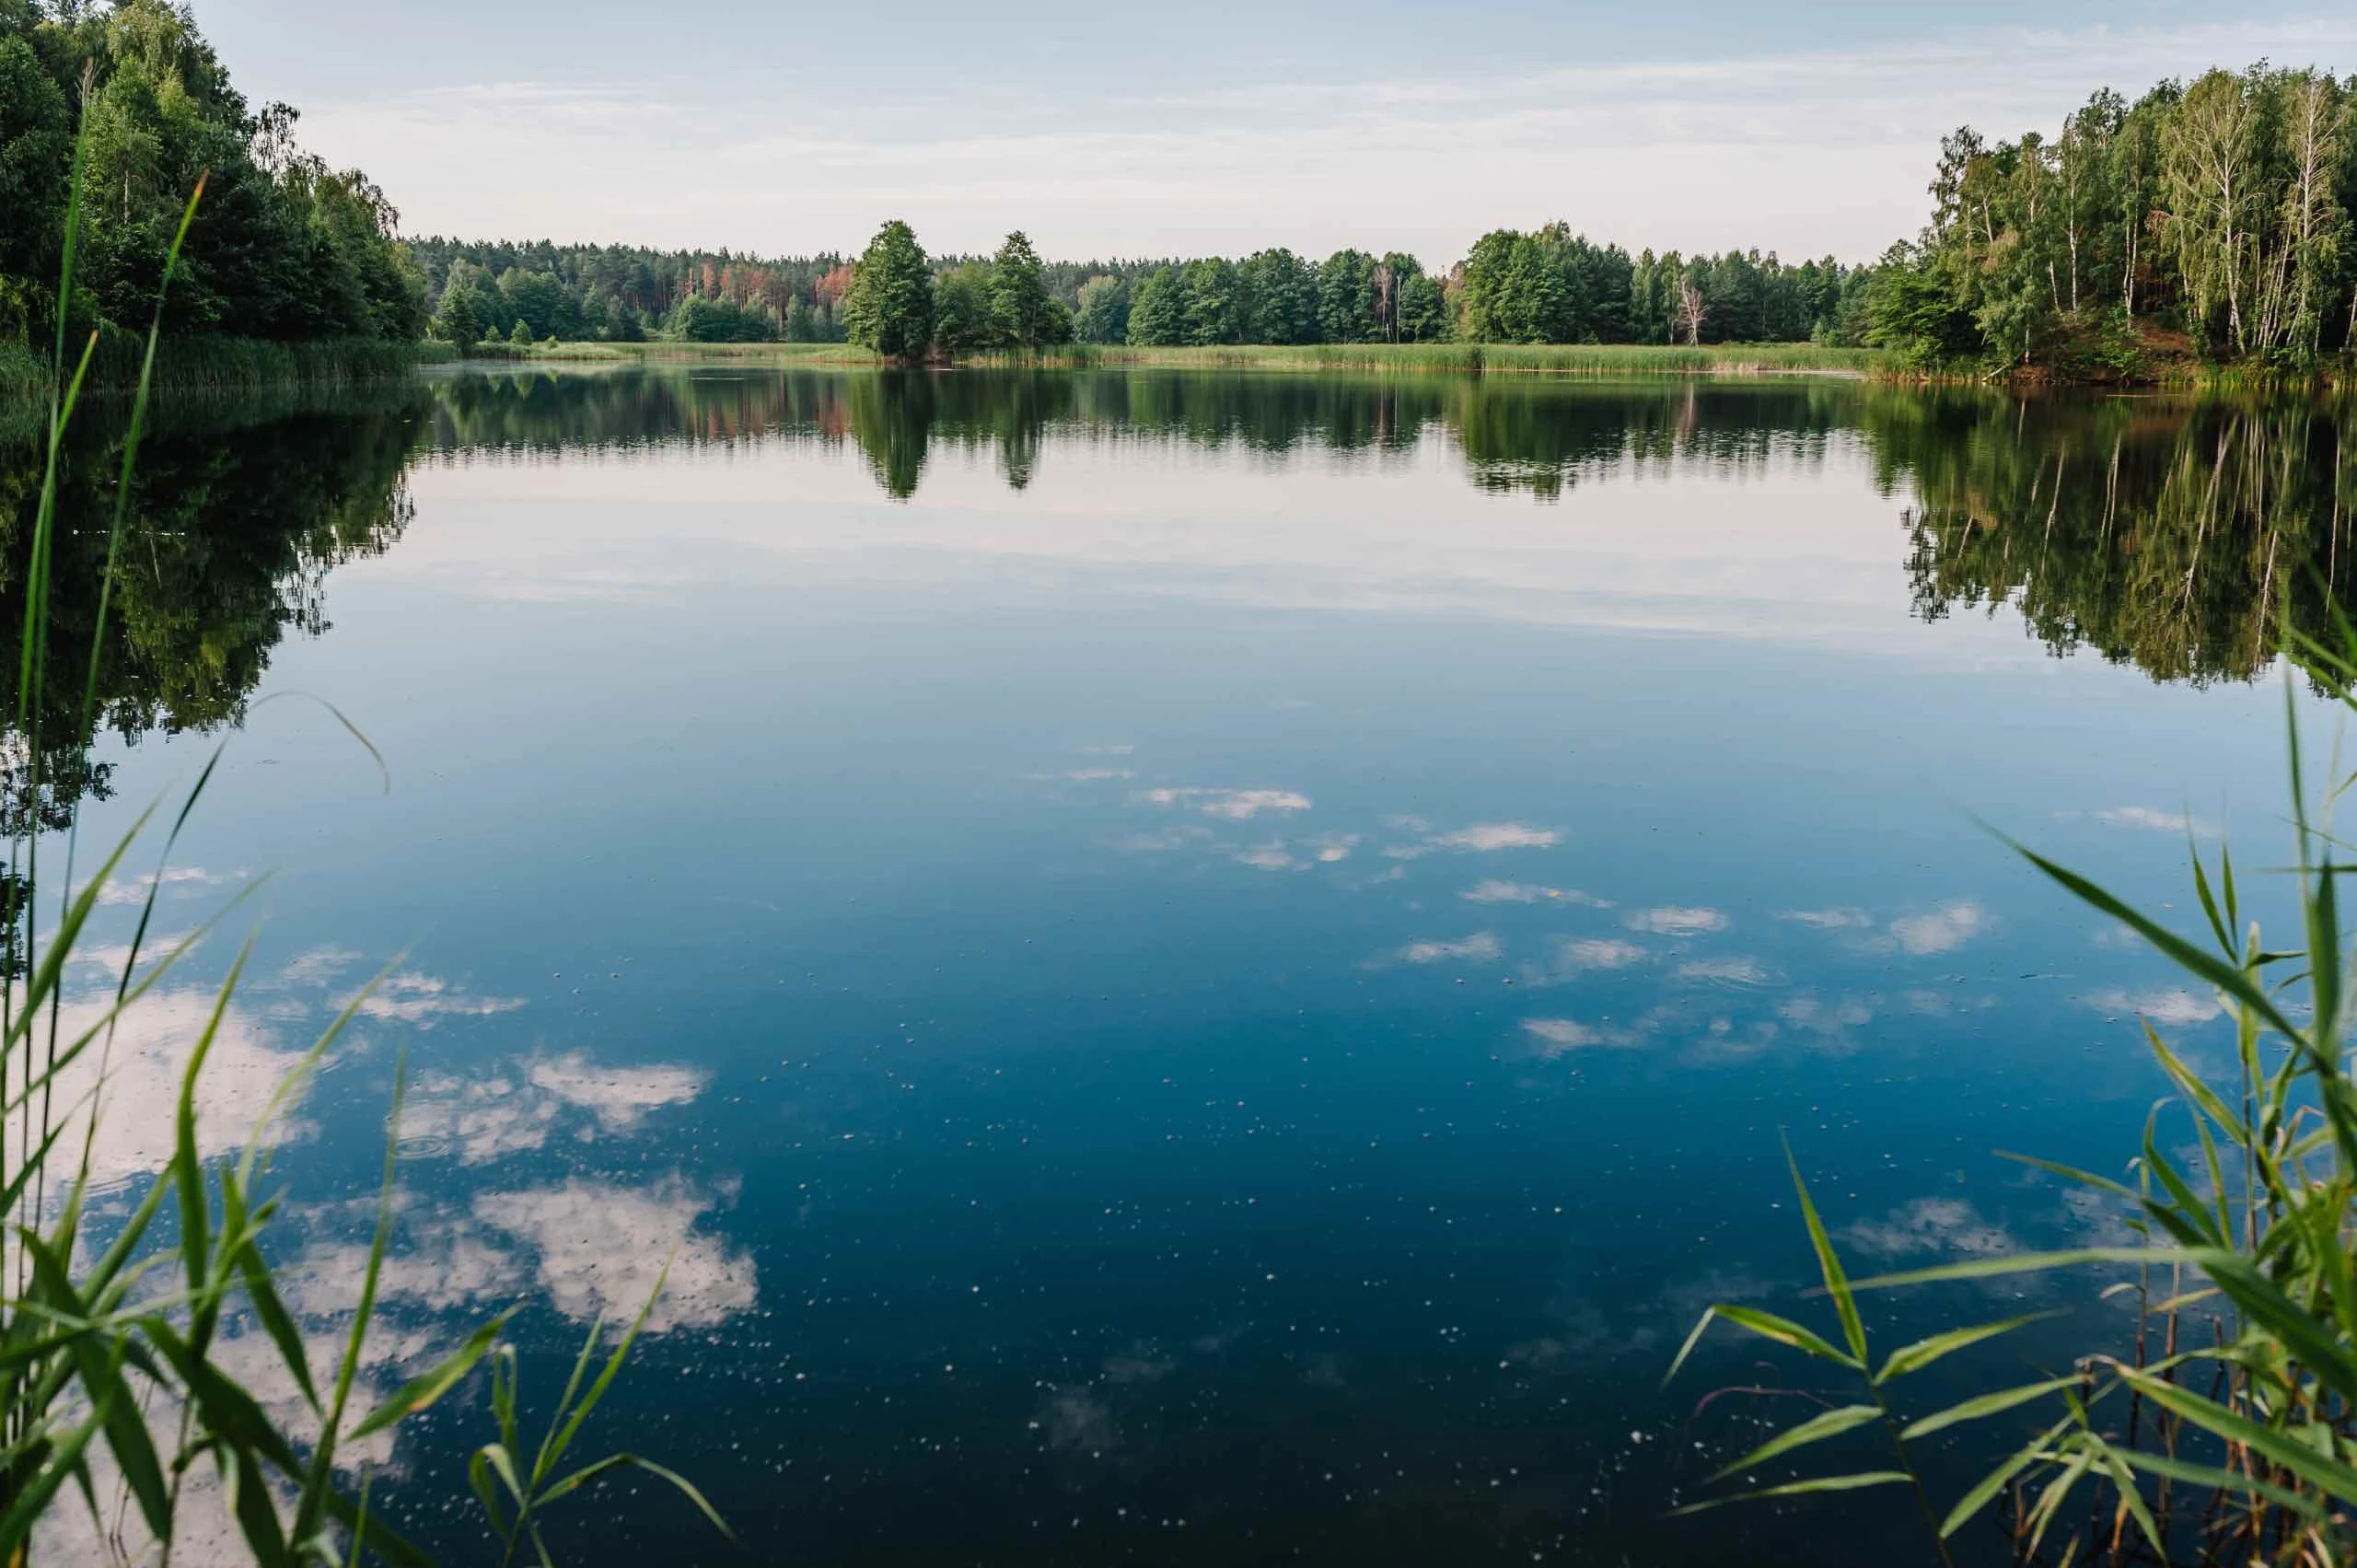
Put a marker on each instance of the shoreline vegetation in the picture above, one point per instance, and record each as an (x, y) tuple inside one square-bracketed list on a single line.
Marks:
[(2205, 233)]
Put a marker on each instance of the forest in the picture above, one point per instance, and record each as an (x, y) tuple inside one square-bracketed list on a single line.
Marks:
[(2208, 223), (2209, 219), (1549, 285), (284, 247)]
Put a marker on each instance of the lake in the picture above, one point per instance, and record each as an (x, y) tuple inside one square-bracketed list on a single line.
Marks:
[(1184, 968)]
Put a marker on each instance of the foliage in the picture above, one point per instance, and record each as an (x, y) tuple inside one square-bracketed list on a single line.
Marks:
[(284, 248), (889, 307), (2221, 208), (458, 322), (116, 1371), (2221, 1431), (620, 293), (1022, 314), (964, 321)]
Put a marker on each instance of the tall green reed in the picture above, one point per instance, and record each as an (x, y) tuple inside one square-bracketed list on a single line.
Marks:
[(2219, 1425), (91, 1347)]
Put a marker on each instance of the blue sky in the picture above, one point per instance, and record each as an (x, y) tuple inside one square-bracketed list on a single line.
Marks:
[(1210, 126)]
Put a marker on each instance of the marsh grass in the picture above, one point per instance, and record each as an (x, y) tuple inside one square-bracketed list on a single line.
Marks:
[(118, 362), (2222, 1428), (115, 1353)]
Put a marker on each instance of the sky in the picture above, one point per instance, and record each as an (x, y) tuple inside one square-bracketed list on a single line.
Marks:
[(1214, 126)]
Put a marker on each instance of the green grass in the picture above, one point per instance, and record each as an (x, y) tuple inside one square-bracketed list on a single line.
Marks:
[(212, 365), (1584, 359)]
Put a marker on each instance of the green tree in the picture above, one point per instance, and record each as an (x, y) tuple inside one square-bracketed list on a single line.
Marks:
[(1104, 313), (519, 335), (963, 319), (1214, 309), (1283, 288), (1024, 315), (1158, 309), (890, 306), (457, 320), (1348, 299)]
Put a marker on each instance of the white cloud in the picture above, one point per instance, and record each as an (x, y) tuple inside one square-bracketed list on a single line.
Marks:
[(412, 998), (2155, 819), (143, 1069), (1939, 1228), (1277, 855), (1498, 892), (1725, 971), (1676, 922), (516, 1108), (1235, 804), (1489, 836), (601, 1247), (1481, 947), (1574, 956), (317, 966), (1801, 151), (1943, 930), (1827, 920), (173, 879), (2171, 1008)]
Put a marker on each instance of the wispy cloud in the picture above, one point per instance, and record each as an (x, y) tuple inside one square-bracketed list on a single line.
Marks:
[(1725, 971), (1498, 892), (2156, 819), (1799, 150), (1481, 947), (409, 997), (1943, 930), (1235, 804), (1482, 838), (1561, 1036), (1674, 921), (1577, 956), (1827, 920), (2172, 1007), (173, 879), (1934, 1227), (1280, 855)]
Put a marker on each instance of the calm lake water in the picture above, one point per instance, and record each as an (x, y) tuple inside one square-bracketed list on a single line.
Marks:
[(1187, 968)]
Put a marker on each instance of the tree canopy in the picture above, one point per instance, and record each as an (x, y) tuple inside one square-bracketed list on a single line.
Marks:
[(284, 247), (890, 306), (2219, 209)]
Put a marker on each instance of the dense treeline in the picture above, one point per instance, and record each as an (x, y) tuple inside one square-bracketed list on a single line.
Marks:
[(284, 247), (1549, 286), (534, 291), (2220, 210), (2214, 220)]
